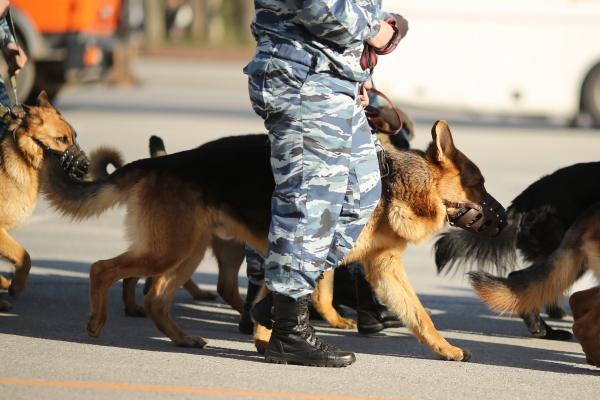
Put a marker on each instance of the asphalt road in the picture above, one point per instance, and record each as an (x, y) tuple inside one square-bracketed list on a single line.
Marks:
[(46, 353)]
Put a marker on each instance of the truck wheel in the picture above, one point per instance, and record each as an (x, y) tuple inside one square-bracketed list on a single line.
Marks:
[(49, 76), (590, 94)]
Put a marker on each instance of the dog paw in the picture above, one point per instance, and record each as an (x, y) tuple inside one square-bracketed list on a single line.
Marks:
[(261, 346), (192, 341), (15, 289), (136, 311), (455, 354), (557, 334), (205, 295), (262, 336), (344, 323), (4, 306), (94, 326)]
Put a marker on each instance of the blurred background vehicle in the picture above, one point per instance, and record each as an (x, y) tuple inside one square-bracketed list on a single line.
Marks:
[(66, 41), (507, 57)]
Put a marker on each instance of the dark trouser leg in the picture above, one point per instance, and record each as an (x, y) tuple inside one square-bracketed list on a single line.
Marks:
[(246, 325), (373, 314)]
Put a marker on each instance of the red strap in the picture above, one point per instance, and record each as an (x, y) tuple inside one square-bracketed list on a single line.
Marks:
[(368, 59)]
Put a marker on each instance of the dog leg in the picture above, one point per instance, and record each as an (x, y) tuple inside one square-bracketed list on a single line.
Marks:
[(12, 251), (148, 285), (587, 331), (262, 335), (322, 298), (555, 311), (4, 306), (230, 255), (197, 293), (157, 302), (132, 309), (104, 273), (388, 278), (4, 283)]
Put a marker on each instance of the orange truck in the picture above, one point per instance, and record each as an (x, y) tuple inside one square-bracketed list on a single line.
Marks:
[(65, 41)]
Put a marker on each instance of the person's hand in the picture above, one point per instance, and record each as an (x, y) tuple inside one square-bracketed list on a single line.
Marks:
[(4, 6), (383, 37), (401, 24), (364, 98), (15, 58)]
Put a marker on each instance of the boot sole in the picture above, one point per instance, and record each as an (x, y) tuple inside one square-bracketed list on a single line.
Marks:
[(292, 359)]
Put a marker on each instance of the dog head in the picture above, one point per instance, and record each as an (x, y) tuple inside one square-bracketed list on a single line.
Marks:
[(461, 186), (44, 129)]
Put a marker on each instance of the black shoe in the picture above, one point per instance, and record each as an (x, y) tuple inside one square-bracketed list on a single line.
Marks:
[(246, 325), (262, 312), (373, 315), (293, 340)]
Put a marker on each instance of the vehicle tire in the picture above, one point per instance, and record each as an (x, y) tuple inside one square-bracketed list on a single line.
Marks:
[(590, 94), (49, 77)]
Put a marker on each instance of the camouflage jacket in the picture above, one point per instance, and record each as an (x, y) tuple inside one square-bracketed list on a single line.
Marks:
[(326, 35), (5, 36)]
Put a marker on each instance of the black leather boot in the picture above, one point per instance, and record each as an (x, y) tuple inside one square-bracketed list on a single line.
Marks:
[(262, 312), (246, 325), (373, 315), (293, 340)]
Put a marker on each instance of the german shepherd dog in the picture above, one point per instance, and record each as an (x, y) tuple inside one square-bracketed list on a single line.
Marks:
[(21, 159), (177, 204), (538, 219), (545, 282)]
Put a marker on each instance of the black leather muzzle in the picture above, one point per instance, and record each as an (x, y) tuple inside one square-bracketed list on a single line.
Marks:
[(486, 219), (73, 159)]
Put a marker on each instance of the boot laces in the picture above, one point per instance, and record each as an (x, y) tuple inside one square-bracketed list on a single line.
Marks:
[(309, 333)]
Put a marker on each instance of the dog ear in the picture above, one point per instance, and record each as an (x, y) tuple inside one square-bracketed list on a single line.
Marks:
[(42, 100), (442, 138)]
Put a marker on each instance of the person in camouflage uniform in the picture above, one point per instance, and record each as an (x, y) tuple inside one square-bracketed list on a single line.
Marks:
[(304, 81), (14, 59)]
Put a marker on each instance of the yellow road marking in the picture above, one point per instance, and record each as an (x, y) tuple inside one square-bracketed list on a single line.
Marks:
[(172, 389)]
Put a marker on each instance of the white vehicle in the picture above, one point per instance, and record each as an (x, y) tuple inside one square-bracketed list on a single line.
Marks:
[(513, 57)]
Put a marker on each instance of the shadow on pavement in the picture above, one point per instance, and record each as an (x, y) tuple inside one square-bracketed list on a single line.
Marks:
[(55, 306)]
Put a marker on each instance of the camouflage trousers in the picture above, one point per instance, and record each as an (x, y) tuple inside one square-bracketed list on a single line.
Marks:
[(325, 167), (255, 263)]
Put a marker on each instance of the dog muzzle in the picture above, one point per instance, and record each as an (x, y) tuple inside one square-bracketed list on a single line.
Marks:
[(73, 160), (486, 219)]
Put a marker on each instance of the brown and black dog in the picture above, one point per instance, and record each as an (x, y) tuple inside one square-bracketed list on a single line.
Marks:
[(21, 158), (179, 203), (546, 282)]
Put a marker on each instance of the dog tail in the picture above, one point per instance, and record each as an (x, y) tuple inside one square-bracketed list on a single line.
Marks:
[(157, 147), (459, 247), (100, 158), (544, 283), (81, 200)]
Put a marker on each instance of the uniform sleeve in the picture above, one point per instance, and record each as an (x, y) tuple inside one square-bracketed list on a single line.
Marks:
[(383, 15), (5, 36), (339, 21)]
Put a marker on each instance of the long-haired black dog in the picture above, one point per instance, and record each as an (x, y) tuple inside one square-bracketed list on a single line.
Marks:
[(538, 219)]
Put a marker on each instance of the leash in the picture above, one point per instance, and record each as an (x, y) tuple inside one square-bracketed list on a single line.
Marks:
[(368, 59), (17, 108), (373, 112)]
